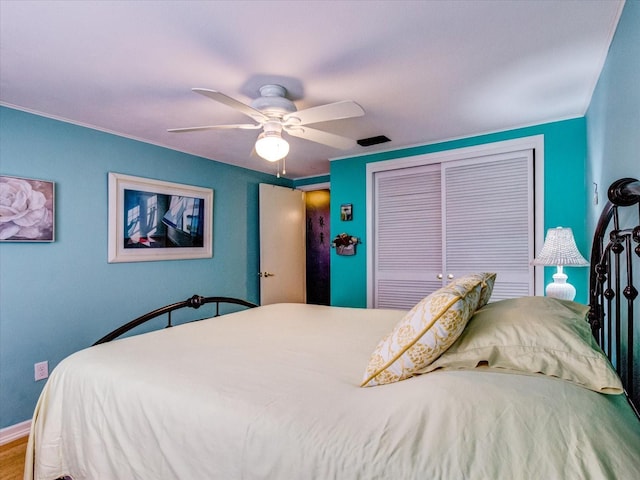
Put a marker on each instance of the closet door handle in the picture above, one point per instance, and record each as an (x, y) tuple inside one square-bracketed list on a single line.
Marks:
[(450, 276), (439, 276)]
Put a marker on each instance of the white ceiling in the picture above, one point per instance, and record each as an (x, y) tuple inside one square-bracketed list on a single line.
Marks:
[(424, 71)]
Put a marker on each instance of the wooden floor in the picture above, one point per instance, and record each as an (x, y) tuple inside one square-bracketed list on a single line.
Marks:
[(12, 459)]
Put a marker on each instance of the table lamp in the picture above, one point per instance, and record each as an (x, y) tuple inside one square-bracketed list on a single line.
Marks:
[(560, 249)]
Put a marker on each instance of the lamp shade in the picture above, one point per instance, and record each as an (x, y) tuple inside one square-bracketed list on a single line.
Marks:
[(271, 146), (560, 249)]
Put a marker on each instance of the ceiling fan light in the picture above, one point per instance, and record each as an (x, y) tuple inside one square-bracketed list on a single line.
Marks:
[(271, 146)]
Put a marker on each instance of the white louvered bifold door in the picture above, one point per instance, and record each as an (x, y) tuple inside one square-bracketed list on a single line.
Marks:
[(437, 222), (408, 235), (488, 220)]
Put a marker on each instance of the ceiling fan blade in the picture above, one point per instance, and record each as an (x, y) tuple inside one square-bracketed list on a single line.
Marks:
[(242, 126), (319, 136), (257, 115), (324, 113)]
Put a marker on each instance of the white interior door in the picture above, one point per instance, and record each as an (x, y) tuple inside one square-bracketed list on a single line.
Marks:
[(282, 245)]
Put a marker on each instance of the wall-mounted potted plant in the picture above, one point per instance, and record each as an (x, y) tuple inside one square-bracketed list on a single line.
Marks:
[(345, 244)]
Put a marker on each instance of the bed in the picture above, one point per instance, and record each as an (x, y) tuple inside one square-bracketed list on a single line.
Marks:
[(511, 389)]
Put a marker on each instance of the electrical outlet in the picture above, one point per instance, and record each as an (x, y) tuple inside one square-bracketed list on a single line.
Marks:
[(41, 370)]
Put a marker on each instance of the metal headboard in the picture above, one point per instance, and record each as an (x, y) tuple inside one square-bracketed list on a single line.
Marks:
[(195, 301), (614, 311)]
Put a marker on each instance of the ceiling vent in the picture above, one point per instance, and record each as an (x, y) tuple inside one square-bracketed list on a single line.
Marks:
[(367, 142)]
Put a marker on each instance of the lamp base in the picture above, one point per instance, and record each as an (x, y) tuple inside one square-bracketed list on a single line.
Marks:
[(560, 288)]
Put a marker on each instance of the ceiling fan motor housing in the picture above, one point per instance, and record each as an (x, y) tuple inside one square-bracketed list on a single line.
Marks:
[(273, 102)]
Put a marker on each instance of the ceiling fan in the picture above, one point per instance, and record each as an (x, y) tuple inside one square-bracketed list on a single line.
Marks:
[(274, 113)]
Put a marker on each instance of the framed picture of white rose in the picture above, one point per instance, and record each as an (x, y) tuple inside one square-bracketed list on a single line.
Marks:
[(152, 220), (27, 210)]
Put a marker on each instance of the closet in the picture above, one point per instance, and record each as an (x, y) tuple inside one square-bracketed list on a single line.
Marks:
[(434, 222)]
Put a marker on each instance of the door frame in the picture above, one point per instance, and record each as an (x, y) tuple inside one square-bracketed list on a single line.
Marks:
[(535, 142), (314, 186), (310, 188), (303, 189)]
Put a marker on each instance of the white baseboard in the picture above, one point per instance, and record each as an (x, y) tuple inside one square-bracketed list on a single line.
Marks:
[(14, 432)]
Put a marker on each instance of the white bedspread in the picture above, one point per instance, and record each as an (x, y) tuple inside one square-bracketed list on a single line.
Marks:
[(272, 393)]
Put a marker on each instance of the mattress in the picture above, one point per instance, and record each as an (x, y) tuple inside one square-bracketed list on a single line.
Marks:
[(273, 393)]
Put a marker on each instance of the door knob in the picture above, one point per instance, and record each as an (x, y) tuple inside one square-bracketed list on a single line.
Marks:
[(450, 276), (439, 276)]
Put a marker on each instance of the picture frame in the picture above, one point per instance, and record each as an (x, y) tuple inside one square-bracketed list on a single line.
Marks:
[(346, 212), (28, 210), (152, 220)]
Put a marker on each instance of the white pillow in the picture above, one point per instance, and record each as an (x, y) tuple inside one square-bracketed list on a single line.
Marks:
[(533, 335)]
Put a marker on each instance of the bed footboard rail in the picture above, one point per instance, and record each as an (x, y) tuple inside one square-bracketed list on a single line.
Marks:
[(612, 294), (196, 301)]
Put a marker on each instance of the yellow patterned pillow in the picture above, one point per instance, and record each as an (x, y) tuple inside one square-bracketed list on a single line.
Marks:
[(426, 331), (487, 279)]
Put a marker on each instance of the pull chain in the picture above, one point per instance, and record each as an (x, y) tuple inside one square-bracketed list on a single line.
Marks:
[(284, 167)]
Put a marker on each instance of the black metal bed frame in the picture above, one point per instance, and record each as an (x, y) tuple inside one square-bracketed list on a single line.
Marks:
[(612, 294), (195, 302)]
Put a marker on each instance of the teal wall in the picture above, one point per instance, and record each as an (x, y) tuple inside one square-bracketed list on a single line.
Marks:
[(613, 118), (564, 193), (57, 298)]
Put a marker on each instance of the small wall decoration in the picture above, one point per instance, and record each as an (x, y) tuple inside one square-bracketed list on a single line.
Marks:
[(27, 210), (345, 244), (154, 220), (346, 212)]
